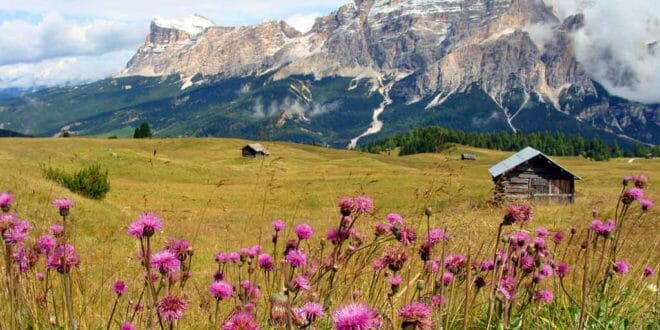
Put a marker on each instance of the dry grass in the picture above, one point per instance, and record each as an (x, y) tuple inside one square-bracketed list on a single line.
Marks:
[(211, 196)]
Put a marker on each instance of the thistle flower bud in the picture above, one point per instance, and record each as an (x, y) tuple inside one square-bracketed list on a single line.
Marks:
[(421, 285), (428, 212), (278, 309)]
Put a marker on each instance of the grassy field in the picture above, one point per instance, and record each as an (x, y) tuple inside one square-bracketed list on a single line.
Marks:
[(211, 196)]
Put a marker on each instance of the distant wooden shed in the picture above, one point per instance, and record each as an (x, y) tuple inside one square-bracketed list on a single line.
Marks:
[(531, 175), (254, 150), (468, 156)]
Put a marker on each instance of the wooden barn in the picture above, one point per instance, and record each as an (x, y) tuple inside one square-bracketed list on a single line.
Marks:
[(531, 175), (255, 150)]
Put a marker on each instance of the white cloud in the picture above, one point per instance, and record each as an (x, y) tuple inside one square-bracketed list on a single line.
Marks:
[(55, 36), (63, 71), (302, 22), (615, 46)]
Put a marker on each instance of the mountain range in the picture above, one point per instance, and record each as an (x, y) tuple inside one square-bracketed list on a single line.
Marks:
[(370, 69)]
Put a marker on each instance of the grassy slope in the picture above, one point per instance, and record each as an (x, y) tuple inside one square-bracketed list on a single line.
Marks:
[(210, 195)]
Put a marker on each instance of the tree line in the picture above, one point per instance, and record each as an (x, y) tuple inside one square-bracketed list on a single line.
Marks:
[(437, 139)]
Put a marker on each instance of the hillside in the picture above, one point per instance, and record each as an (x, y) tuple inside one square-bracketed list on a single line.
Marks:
[(205, 184), (211, 196)]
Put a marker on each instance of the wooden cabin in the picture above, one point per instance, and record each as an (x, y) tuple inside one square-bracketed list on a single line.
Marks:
[(254, 150), (531, 175), (468, 156)]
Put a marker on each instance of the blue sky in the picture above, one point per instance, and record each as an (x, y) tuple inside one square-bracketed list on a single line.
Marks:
[(54, 42)]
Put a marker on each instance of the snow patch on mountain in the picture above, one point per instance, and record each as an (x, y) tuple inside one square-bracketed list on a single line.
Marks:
[(193, 25)]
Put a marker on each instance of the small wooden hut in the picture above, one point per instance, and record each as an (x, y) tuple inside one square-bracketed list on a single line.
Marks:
[(254, 150), (465, 156), (531, 175)]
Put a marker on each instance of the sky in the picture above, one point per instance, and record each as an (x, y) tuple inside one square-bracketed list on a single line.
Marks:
[(56, 42)]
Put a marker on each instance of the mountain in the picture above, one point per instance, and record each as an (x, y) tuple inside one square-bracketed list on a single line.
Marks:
[(370, 69)]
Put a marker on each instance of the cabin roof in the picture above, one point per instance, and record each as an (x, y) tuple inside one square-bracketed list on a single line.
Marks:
[(521, 157), (257, 147)]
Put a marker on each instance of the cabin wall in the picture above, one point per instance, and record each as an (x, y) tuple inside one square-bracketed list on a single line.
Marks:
[(536, 180)]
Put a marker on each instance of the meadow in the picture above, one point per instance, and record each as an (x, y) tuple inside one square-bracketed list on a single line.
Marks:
[(218, 201)]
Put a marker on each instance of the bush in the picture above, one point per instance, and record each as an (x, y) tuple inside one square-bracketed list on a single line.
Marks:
[(91, 182)]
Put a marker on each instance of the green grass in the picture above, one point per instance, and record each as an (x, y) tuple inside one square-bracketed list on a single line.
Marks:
[(211, 196)]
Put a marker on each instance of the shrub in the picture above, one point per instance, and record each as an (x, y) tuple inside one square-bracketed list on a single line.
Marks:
[(91, 182)]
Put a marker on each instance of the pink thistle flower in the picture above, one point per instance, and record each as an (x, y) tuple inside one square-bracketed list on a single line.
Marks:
[(310, 311), (304, 231), (455, 263), (333, 236), (265, 262), (447, 278), (479, 282), (379, 264), (394, 258), (437, 235), (222, 257), (41, 276), (395, 219), (558, 237), (540, 244), (646, 204), (179, 247), (251, 252), (363, 204), (165, 262), (24, 258), (507, 287), (127, 326), (296, 258), (63, 259), (46, 243), (221, 290), (562, 270), (640, 180), (56, 229), (631, 195), (63, 205), (546, 271), (119, 288), (487, 265), (171, 308), (406, 235), (241, 321), (301, 283), (648, 272), (145, 226), (6, 199), (541, 232), (438, 300), (17, 232), (518, 213), (543, 296), (278, 225), (395, 280), (527, 263), (416, 315), (603, 229), (355, 316), (519, 240), (346, 205), (234, 257), (621, 267), (383, 229)]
